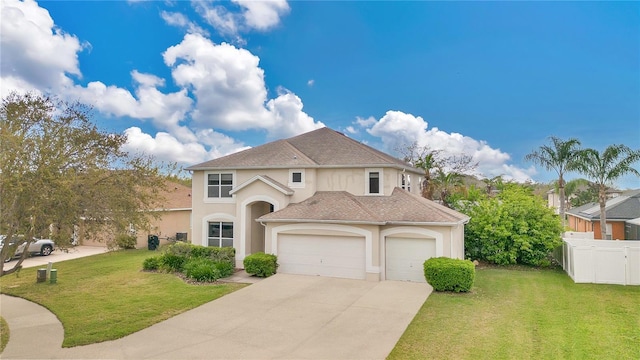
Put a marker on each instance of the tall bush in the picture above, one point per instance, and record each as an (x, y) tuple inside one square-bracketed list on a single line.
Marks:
[(446, 274), (515, 227), (261, 264)]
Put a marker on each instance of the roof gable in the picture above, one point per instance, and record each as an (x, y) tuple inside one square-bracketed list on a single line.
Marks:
[(323, 147), (267, 180)]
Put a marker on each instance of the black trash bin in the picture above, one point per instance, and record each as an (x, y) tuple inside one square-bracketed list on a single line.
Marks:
[(153, 242)]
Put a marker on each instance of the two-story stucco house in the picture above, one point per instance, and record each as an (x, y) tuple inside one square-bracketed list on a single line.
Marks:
[(326, 205)]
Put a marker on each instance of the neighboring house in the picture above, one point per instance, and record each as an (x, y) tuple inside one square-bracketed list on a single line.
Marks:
[(553, 198), (326, 205), (619, 210), (553, 201), (174, 220), (632, 229)]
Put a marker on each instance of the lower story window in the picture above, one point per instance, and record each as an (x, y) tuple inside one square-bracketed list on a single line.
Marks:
[(220, 234)]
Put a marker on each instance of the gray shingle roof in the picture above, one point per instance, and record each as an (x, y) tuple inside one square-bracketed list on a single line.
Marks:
[(323, 147), (341, 206), (623, 207)]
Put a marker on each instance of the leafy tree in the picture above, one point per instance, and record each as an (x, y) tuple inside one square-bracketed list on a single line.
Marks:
[(559, 156), (604, 168), (515, 227), (437, 164), (58, 171)]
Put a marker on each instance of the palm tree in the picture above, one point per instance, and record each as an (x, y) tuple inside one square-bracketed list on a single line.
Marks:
[(447, 183), (559, 156), (428, 162), (605, 168)]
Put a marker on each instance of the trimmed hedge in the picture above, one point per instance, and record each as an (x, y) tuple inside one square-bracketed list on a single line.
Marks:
[(446, 274), (261, 264)]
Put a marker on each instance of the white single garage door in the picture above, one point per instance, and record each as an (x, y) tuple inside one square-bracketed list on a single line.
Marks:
[(405, 258), (334, 256)]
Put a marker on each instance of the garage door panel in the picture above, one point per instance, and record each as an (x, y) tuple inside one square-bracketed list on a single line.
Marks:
[(322, 255), (405, 258)]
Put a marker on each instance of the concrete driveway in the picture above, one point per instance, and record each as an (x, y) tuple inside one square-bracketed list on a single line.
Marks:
[(282, 317), (59, 255)]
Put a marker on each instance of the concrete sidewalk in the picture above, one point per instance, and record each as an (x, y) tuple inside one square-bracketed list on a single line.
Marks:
[(282, 317)]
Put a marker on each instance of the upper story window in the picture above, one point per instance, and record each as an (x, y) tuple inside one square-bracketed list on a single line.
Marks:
[(219, 185), (405, 182), (373, 182), (296, 178)]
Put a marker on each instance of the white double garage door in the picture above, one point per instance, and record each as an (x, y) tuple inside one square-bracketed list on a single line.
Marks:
[(345, 256)]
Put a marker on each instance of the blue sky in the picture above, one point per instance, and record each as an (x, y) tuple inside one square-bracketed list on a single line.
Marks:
[(191, 81)]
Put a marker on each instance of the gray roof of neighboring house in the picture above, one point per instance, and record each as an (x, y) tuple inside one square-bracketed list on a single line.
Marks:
[(343, 207), (323, 147), (623, 207)]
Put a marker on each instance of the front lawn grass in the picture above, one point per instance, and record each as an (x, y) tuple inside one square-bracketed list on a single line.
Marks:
[(107, 296), (526, 314), (4, 334)]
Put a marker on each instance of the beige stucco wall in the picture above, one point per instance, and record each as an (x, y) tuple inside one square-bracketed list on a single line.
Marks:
[(354, 180), (167, 225)]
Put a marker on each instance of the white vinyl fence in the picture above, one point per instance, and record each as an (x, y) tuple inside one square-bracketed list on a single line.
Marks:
[(602, 261)]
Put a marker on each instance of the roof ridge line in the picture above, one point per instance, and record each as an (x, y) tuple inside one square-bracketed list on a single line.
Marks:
[(286, 141), (356, 200)]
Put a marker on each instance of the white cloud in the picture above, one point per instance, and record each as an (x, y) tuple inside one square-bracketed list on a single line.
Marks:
[(181, 21), (366, 122), (230, 90), (398, 130), (166, 147), (351, 130), (35, 54), (311, 82), (287, 116), (166, 111), (251, 15), (263, 15)]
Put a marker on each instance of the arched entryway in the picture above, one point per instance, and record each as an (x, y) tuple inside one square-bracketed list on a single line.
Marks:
[(254, 230)]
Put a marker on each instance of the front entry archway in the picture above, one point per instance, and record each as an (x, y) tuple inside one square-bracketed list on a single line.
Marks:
[(254, 230)]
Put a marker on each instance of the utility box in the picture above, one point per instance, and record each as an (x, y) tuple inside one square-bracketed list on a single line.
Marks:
[(181, 236), (53, 276), (41, 275), (153, 242)]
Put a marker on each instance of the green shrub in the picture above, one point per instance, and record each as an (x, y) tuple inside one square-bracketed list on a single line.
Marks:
[(226, 269), (201, 269), (261, 264), (172, 262), (225, 254), (446, 274), (514, 227), (179, 249), (152, 263), (124, 241)]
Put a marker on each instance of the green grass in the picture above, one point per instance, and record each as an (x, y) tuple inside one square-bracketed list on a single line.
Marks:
[(107, 296), (4, 334), (526, 314)]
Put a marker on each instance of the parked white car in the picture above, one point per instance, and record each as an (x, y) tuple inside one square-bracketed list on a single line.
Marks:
[(42, 247)]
